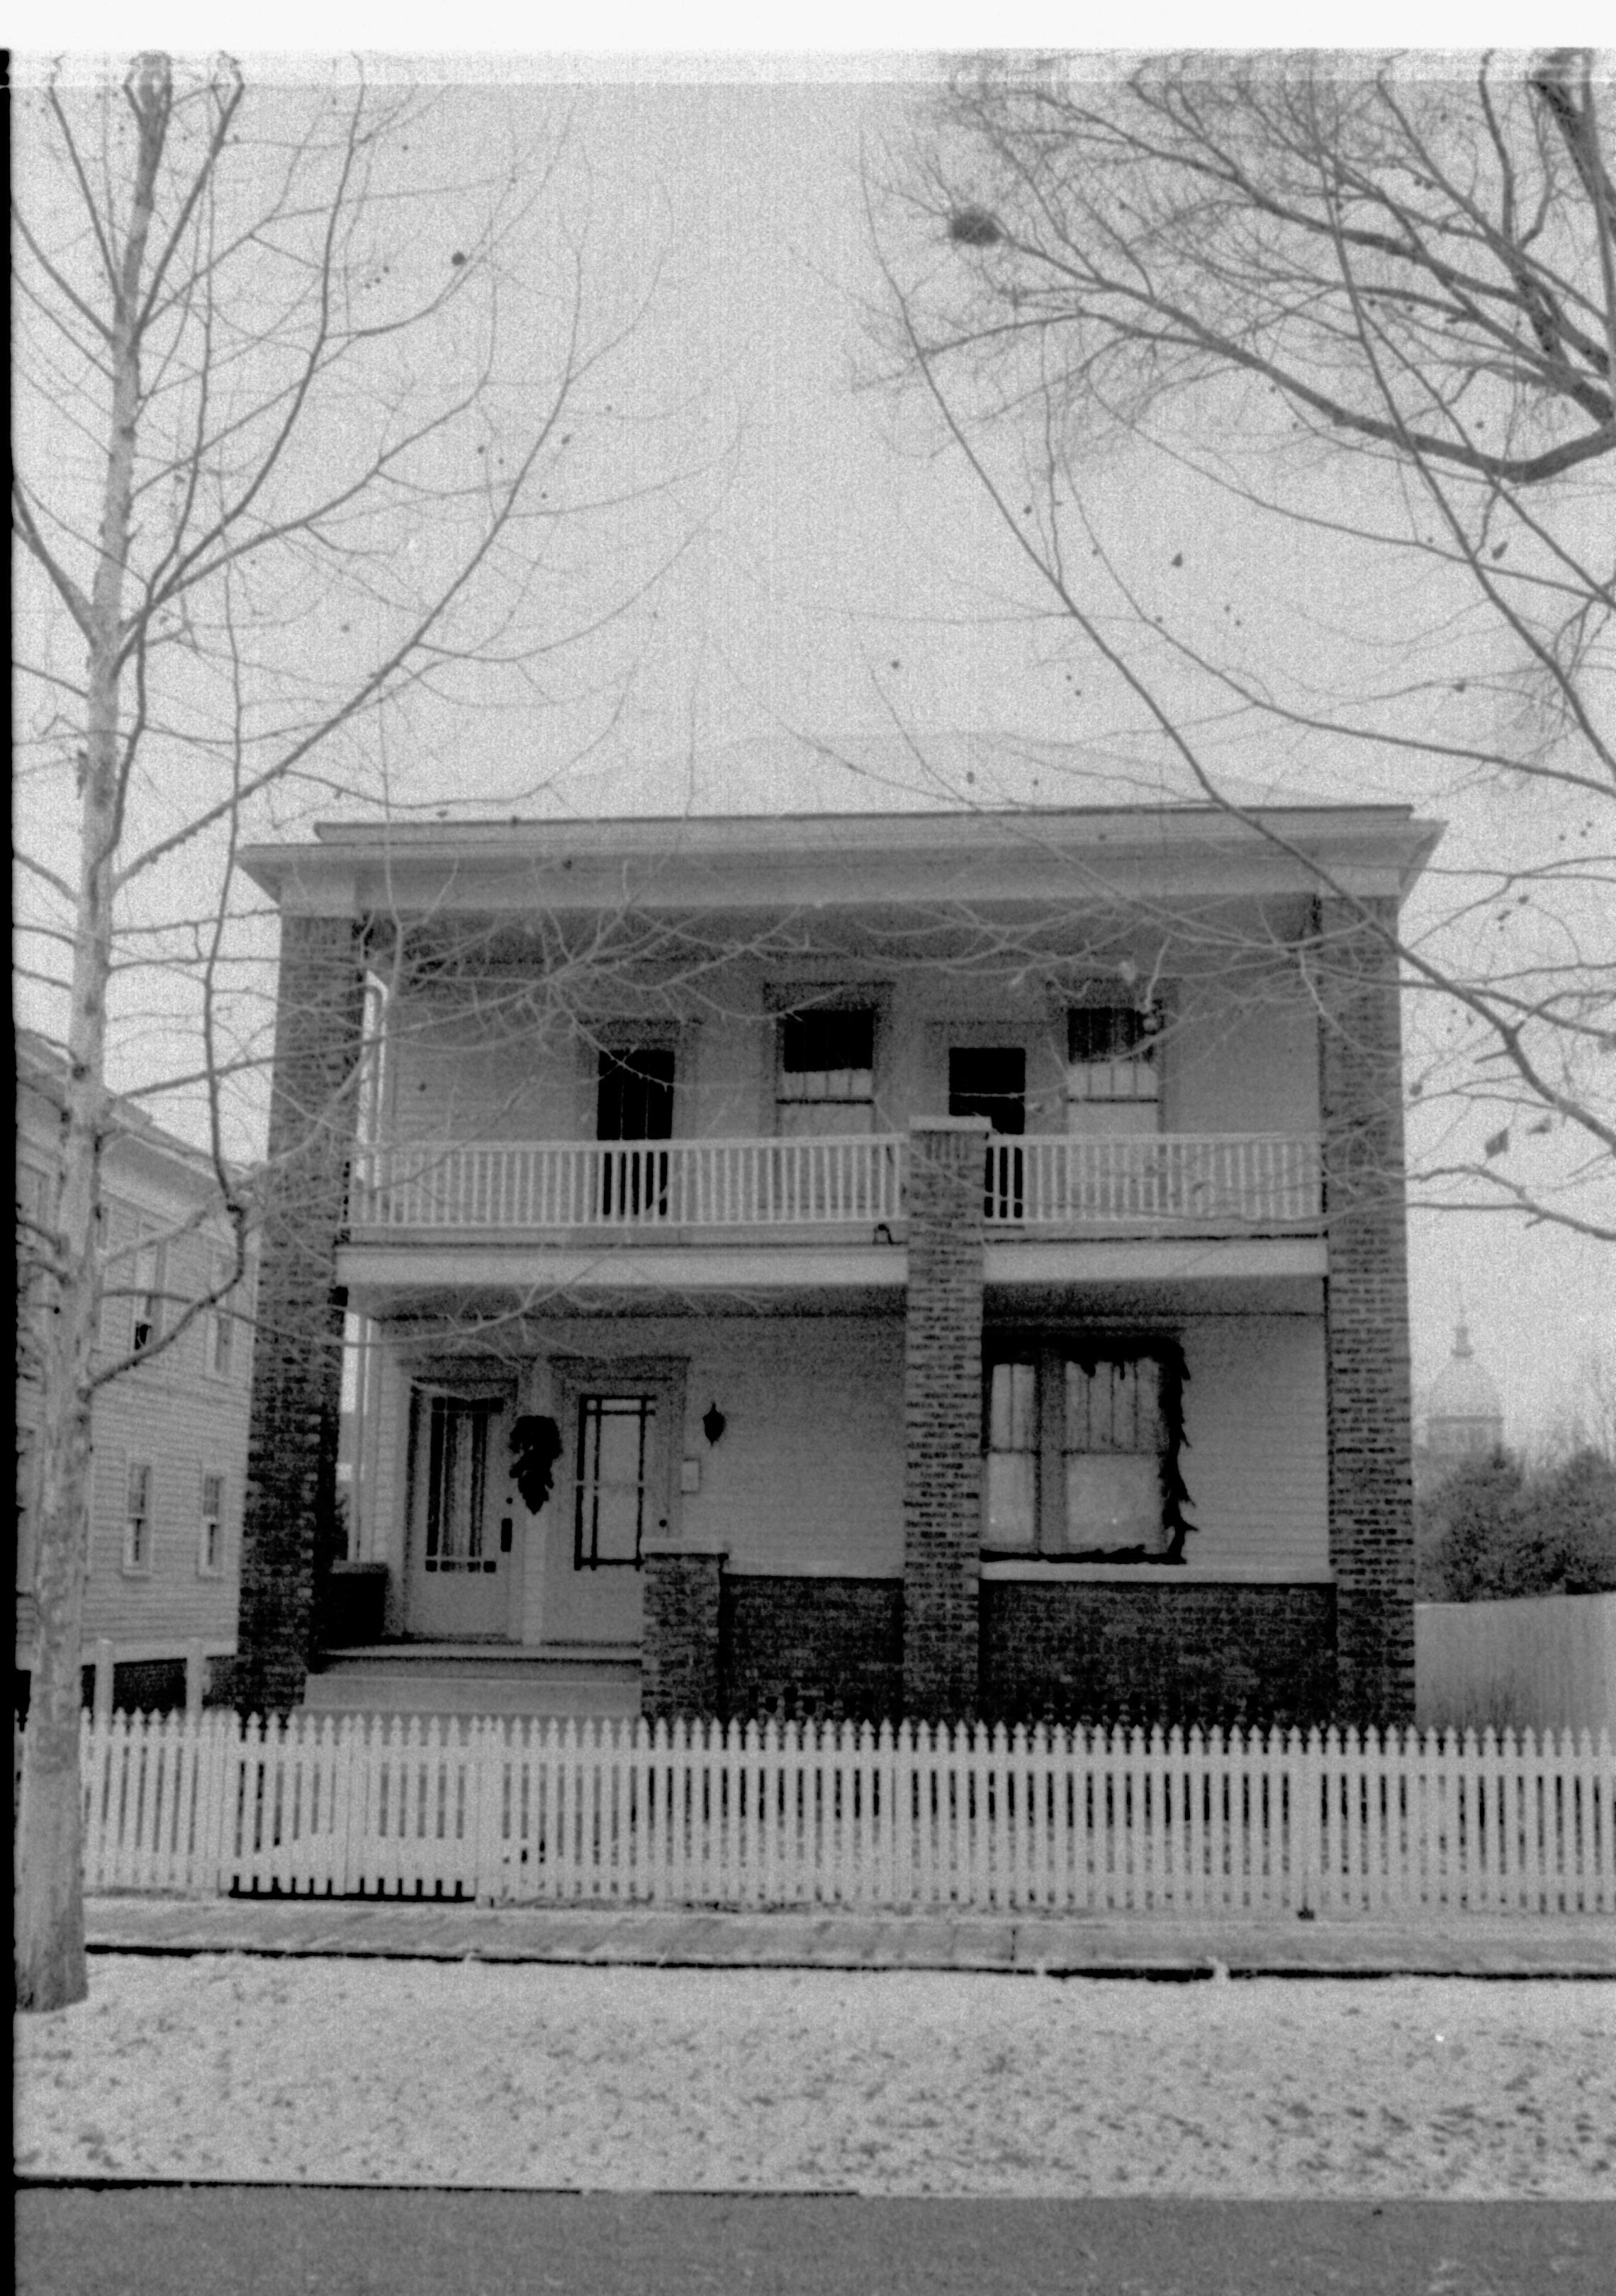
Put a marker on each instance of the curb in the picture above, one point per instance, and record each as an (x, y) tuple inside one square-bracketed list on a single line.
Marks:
[(1561, 1948)]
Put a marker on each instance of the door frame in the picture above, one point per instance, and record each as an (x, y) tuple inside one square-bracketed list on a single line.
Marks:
[(571, 1378)]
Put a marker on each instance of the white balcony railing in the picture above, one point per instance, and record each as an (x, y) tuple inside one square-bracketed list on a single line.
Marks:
[(1166, 1179), (1200, 1181), (638, 1184)]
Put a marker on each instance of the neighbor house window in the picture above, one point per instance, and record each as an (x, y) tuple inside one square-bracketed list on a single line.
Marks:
[(149, 1276), (825, 1083), (221, 1323), (211, 1549), (457, 1468), (137, 1519), (118, 1233), (1114, 1076), (614, 1459), (1079, 1446)]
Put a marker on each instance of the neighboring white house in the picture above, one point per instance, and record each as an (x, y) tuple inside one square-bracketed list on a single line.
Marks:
[(170, 1438), (943, 1263)]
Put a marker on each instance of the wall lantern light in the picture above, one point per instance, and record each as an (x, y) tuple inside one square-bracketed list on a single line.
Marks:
[(713, 1422)]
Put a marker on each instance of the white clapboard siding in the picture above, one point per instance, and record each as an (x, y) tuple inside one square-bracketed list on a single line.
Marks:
[(959, 1820)]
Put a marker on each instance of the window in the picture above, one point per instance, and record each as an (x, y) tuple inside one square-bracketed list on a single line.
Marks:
[(211, 1549), (137, 1519), (614, 1459), (1113, 1078), (826, 1084), (117, 1231), (1080, 1450), (149, 1276), (222, 1323), (456, 1479)]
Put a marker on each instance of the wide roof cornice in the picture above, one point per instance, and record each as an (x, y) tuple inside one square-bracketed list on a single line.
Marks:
[(767, 861)]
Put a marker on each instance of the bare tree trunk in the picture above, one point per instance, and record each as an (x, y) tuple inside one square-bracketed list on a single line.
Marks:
[(49, 1910)]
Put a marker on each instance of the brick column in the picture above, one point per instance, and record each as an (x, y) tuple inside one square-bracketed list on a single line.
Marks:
[(1366, 1310), (943, 1417), (680, 1658), (296, 1367)]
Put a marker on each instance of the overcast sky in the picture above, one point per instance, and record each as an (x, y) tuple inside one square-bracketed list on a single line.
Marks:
[(847, 578)]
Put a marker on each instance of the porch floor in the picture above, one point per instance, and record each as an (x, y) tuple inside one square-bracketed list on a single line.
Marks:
[(475, 1678)]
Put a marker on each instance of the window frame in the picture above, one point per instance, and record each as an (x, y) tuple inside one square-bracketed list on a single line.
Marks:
[(149, 1260), (1130, 1078), (137, 1545), (221, 1325), (214, 1566), (1049, 1355), (805, 1013)]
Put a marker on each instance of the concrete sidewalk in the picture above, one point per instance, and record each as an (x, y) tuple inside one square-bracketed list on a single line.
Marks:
[(429, 1930)]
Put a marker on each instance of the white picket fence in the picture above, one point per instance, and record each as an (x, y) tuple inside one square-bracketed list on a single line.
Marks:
[(568, 1812)]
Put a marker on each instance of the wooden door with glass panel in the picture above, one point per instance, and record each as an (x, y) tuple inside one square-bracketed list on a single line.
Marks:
[(620, 1426), (461, 1528)]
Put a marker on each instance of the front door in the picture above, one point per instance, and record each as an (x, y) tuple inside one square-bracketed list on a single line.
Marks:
[(633, 1103), (461, 1518), (613, 1493), (990, 1081)]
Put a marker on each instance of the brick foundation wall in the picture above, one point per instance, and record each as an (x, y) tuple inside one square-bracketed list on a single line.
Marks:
[(812, 1647), (288, 1531), (942, 1417), (1192, 1655), (1366, 1311), (679, 1669)]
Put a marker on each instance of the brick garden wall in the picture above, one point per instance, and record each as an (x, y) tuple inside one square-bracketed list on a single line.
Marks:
[(1367, 1306), (289, 1526), (1191, 1654), (813, 1647)]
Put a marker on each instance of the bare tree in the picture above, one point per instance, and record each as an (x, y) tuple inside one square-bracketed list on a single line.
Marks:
[(1362, 314), (306, 456)]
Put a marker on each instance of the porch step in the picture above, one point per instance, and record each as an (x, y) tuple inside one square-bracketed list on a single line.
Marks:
[(473, 1678)]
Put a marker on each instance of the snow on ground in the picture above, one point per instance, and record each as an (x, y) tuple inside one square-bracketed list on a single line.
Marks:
[(391, 2072)]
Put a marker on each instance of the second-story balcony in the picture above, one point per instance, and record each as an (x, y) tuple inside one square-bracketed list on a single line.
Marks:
[(681, 1189)]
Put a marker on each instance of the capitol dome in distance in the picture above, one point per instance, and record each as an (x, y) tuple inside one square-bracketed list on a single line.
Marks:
[(1464, 1416)]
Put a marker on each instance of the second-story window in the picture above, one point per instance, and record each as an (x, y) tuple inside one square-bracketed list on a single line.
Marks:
[(825, 1083), (1113, 1072)]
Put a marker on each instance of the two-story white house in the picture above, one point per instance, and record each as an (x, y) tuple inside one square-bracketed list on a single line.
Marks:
[(938, 1263), (168, 1436)]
